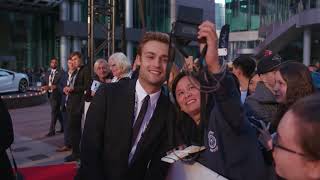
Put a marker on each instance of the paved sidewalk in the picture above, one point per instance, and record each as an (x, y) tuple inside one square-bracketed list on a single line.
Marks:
[(31, 147)]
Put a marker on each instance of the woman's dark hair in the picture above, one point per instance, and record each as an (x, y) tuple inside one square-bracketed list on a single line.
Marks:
[(299, 85), (307, 111), (175, 82), (187, 131)]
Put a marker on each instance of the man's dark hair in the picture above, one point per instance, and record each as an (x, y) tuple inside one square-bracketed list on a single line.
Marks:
[(246, 64), (76, 53), (312, 65), (54, 58)]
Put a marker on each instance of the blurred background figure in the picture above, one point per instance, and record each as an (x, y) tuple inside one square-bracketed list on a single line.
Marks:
[(293, 82), (253, 83), (52, 86), (262, 104), (6, 139), (75, 103), (102, 71), (317, 64), (243, 67), (312, 68), (296, 146), (120, 66), (315, 75), (66, 81), (101, 76), (135, 70)]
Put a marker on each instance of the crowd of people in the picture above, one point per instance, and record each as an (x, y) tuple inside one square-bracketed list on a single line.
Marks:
[(258, 119)]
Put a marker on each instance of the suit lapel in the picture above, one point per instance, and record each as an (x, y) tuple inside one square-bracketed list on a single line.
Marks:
[(122, 111), (154, 127), (131, 104)]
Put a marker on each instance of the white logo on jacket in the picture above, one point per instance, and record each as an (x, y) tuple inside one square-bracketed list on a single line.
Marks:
[(212, 141)]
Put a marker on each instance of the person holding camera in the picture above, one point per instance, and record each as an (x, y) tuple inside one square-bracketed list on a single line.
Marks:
[(214, 117)]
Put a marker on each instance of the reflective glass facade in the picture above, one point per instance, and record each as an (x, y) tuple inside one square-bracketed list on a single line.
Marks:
[(242, 15), (156, 14), (279, 11), (27, 40), (219, 15), (235, 46)]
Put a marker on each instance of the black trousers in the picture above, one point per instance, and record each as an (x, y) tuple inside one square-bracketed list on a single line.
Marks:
[(66, 134), (55, 103), (5, 167), (74, 131)]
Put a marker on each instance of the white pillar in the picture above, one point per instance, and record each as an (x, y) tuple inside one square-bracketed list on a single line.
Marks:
[(65, 11), (172, 11), (76, 44), (76, 11), (64, 44), (129, 24), (64, 52), (76, 16), (306, 46)]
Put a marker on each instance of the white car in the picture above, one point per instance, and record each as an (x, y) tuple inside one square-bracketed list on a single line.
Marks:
[(12, 81)]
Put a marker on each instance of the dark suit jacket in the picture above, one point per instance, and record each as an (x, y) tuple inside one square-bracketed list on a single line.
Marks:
[(63, 83), (75, 100), (56, 93), (106, 138), (6, 139)]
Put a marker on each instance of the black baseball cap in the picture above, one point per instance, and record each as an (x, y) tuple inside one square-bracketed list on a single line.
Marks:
[(268, 64)]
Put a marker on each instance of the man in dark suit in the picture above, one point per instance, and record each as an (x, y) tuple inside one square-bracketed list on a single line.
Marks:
[(75, 103), (128, 123), (65, 82), (52, 85)]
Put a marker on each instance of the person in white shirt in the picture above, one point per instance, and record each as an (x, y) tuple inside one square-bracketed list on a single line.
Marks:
[(128, 123)]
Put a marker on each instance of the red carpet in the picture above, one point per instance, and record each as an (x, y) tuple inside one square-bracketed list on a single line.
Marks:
[(52, 172)]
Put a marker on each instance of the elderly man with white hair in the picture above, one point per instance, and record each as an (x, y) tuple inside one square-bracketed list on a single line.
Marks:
[(120, 66), (102, 70), (101, 74)]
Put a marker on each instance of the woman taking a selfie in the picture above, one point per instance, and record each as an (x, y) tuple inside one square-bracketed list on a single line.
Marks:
[(215, 118)]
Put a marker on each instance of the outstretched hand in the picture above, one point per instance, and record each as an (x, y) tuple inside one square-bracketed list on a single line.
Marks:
[(207, 35)]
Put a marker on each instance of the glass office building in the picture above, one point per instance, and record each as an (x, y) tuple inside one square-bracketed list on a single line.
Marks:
[(219, 15), (279, 11), (156, 15), (30, 35), (27, 40), (290, 28), (242, 15)]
